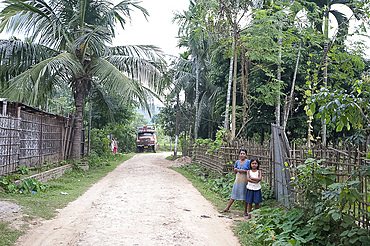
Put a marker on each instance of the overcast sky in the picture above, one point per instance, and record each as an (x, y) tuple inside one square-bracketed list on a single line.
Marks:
[(158, 30)]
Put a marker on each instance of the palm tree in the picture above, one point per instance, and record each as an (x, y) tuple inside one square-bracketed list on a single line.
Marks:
[(326, 9), (69, 44), (194, 37)]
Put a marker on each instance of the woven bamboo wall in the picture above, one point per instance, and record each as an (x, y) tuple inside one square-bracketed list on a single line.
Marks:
[(29, 136)]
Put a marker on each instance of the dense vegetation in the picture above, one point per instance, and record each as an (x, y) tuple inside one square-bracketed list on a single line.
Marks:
[(277, 64), (316, 222)]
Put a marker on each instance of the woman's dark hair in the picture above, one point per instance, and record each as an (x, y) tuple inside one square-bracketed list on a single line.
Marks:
[(256, 160), (243, 150)]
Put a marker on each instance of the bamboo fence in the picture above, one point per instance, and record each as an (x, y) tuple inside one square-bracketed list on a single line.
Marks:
[(30, 137), (347, 162)]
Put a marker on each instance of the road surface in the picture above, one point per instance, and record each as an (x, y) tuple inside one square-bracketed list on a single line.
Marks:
[(142, 202)]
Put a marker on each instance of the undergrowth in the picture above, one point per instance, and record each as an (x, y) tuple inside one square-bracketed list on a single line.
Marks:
[(317, 221), (320, 218)]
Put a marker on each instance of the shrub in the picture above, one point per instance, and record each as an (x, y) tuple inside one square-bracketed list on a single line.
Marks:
[(31, 185)]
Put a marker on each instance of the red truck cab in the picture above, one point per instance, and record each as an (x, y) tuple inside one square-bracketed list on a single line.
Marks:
[(146, 139)]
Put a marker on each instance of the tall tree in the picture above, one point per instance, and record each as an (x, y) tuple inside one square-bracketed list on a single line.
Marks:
[(194, 36), (327, 9), (234, 12), (72, 40)]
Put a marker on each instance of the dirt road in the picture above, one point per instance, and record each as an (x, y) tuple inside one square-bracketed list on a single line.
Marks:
[(142, 202)]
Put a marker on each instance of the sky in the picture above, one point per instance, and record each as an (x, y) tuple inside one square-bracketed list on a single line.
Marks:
[(158, 30)]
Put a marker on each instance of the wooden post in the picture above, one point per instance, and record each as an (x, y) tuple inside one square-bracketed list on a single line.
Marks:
[(4, 107)]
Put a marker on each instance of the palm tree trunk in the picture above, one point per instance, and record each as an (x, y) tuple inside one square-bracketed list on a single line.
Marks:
[(226, 122), (176, 127), (325, 85), (244, 83), (196, 126), (233, 116), (326, 34), (89, 133), (277, 112), (79, 104)]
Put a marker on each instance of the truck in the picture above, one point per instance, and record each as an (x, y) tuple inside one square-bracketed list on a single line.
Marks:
[(146, 139)]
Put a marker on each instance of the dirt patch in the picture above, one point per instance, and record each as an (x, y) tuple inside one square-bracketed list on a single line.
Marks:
[(9, 211), (12, 212), (141, 202), (185, 160)]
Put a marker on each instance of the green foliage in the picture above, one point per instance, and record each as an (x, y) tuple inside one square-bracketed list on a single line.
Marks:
[(171, 157), (125, 134), (267, 192), (184, 144), (23, 170), (343, 108), (275, 226), (99, 142), (166, 119), (311, 179), (7, 182), (164, 140), (221, 139), (31, 185), (222, 185), (94, 160), (318, 220), (27, 185)]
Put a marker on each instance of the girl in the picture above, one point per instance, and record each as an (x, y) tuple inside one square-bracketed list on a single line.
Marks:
[(253, 194), (238, 192)]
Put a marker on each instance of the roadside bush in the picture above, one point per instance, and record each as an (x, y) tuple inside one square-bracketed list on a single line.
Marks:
[(267, 192), (31, 185), (7, 183), (28, 185), (23, 170), (99, 142), (222, 185), (126, 137), (319, 220)]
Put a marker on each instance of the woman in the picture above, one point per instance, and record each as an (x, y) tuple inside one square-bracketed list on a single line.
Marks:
[(241, 168), (115, 145)]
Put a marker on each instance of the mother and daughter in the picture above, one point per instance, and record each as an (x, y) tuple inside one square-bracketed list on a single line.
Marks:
[(247, 185)]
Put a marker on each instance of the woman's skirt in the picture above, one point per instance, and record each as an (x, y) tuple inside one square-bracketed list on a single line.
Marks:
[(239, 187)]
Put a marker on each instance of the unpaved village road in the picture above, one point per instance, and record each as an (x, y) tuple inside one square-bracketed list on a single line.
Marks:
[(142, 202)]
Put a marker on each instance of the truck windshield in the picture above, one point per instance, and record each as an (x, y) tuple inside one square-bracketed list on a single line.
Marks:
[(145, 134)]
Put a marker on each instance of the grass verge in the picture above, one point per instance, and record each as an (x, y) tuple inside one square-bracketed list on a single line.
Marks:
[(45, 204), (8, 235)]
